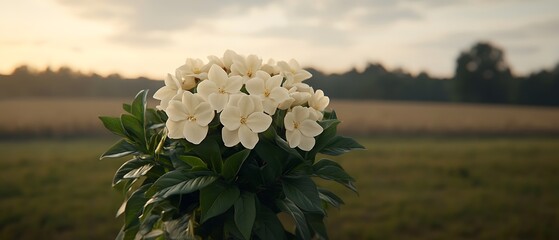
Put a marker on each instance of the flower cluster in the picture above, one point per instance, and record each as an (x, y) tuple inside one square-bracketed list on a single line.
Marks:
[(244, 94)]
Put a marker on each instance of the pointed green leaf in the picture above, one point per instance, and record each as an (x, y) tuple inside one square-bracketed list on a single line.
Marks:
[(209, 151), (180, 181), (289, 207), (217, 198), (233, 164), (193, 161), (303, 192), (316, 223), (267, 225), (139, 105), (134, 206), (119, 149), (330, 170), (133, 127), (114, 125), (330, 197), (127, 107), (245, 213), (339, 145), (329, 131), (132, 169)]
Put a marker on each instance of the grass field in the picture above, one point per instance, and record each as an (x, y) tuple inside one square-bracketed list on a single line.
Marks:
[(410, 188), (76, 117)]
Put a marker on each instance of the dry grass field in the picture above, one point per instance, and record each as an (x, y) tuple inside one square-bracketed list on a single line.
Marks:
[(75, 117)]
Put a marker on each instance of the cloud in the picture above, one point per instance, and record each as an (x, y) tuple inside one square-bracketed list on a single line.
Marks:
[(145, 22)]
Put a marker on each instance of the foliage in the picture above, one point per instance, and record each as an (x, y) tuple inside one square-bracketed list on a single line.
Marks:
[(180, 186)]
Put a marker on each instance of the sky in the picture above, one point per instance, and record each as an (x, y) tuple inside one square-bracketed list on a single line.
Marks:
[(152, 38)]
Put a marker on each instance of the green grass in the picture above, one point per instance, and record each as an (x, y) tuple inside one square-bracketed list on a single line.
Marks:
[(410, 188)]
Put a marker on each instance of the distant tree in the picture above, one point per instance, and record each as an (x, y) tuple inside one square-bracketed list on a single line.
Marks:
[(482, 75)]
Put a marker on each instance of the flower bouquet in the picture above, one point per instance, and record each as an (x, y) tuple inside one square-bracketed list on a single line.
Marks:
[(229, 153)]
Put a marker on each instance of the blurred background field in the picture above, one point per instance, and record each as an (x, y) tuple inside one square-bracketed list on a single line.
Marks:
[(410, 188)]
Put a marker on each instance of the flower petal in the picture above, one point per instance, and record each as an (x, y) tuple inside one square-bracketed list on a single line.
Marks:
[(246, 106), (274, 82), (204, 114), (289, 121), (230, 118), (175, 129), (258, 122), (248, 138), (205, 88), (262, 75), (310, 128), (279, 94), (230, 138), (255, 86), (300, 114), (217, 75), (193, 132), (293, 138), (307, 143), (270, 106), (218, 100), (233, 84), (176, 111)]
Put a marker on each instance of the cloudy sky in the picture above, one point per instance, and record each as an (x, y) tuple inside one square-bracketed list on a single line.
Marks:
[(151, 38)]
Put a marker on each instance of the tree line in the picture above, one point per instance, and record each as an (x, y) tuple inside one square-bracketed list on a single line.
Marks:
[(482, 75)]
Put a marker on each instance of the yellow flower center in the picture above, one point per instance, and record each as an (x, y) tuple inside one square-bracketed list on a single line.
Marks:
[(266, 93), (221, 90), (295, 125), (243, 120), (249, 73), (191, 118)]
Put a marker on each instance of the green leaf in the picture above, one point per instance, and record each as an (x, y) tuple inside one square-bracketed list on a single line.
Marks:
[(329, 131), (217, 198), (303, 192), (274, 158), (119, 149), (193, 161), (209, 150), (300, 221), (180, 181), (133, 127), (339, 145), (233, 164), (139, 105), (267, 225), (330, 115), (330, 197), (134, 206), (132, 169), (330, 170), (316, 223), (127, 107), (114, 125), (245, 213)]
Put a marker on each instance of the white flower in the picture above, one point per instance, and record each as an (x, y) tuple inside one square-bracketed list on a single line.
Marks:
[(191, 73), (318, 102), (217, 89), (300, 129), (271, 67), (243, 121), (246, 67), (299, 94), (226, 61), (189, 118), (293, 72), (171, 90), (269, 89)]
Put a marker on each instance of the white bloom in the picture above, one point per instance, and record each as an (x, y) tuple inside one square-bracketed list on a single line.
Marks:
[(217, 89), (300, 129), (269, 89), (271, 67), (243, 121), (191, 73), (318, 102), (172, 89), (189, 118), (226, 61), (299, 94), (293, 72), (246, 67)]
